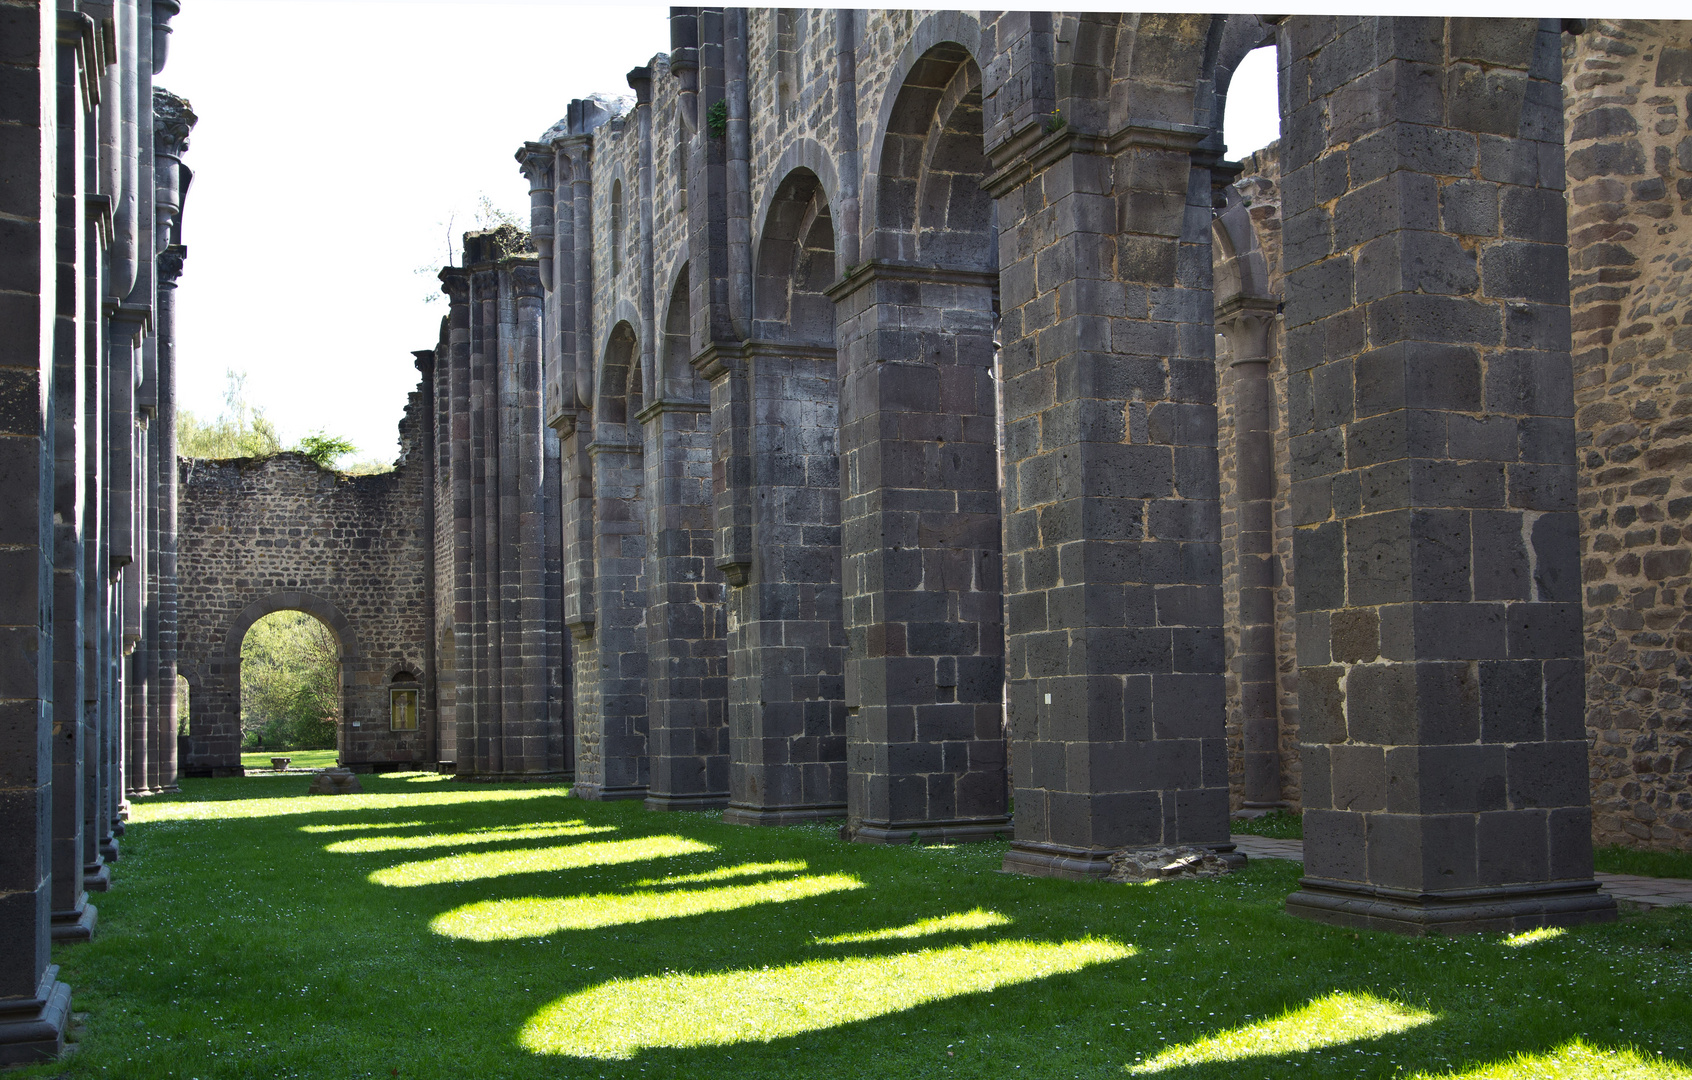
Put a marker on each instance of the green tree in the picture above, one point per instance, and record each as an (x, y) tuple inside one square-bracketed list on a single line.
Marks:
[(325, 449), (290, 683), (242, 430)]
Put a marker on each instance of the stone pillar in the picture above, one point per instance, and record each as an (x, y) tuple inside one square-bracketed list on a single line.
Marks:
[(34, 1005), (456, 284), (73, 917), (99, 845), (921, 554), (619, 633), (1247, 322), (165, 483), (687, 657), (774, 414), (1436, 544), (1112, 551)]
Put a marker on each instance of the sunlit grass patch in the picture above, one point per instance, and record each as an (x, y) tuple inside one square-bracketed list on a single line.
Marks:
[(725, 872), (477, 865), (1337, 1018), (534, 916), (363, 826), (149, 810), (1531, 937), (365, 844), (1574, 1060), (620, 1018), (940, 924)]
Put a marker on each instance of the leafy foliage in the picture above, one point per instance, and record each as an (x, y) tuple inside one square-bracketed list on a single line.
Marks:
[(290, 683), (325, 449), (242, 430)]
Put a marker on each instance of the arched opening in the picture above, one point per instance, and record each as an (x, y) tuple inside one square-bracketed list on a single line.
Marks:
[(290, 690), (1252, 119), (796, 265), (931, 207)]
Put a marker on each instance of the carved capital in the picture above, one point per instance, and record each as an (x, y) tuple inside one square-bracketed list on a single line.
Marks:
[(170, 264), (173, 119), (535, 160), (1246, 321), (456, 284)]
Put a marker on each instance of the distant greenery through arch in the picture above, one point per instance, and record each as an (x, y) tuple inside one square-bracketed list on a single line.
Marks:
[(290, 683)]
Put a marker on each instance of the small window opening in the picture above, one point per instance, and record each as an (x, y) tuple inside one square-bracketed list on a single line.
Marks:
[(403, 695), (616, 227)]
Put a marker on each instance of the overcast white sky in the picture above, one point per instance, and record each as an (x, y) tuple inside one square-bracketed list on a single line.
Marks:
[(341, 143), (336, 142)]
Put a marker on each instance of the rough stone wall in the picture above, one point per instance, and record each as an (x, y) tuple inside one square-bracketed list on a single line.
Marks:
[(282, 533), (1628, 108)]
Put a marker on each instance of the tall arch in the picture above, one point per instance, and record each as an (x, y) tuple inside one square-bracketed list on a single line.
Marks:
[(921, 569), (224, 697)]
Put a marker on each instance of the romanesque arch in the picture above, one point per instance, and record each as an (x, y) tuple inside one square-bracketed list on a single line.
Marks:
[(226, 668)]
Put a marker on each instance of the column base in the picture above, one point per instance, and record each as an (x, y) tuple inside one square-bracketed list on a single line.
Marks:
[(33, 1029), (930, 832), (77, 924), (1460, 911), (109, 848), (502, 777), (781, 815), (709, 801), (1037, 859), (96, 875), (596, 793)]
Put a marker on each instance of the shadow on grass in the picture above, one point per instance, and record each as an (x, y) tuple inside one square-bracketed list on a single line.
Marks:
[(249, 934)]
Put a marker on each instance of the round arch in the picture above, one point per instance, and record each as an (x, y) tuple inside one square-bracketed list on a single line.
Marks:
[(229, 664)]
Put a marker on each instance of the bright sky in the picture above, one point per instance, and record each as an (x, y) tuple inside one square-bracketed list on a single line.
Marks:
[(341, 144)]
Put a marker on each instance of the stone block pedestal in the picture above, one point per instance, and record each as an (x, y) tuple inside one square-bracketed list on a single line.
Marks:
[(33, 1029)]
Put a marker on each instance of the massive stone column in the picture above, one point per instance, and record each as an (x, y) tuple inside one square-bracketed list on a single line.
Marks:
[(619, 766), (33, 1003), (73, 917), (921, 553), (1438, 578), (686, 633), (1112, 557)]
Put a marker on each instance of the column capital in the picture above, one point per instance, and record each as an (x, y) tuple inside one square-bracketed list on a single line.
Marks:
[(1246, 321)]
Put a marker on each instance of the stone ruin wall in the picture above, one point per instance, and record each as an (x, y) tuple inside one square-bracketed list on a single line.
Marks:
[(283, 533), (1628, 102)]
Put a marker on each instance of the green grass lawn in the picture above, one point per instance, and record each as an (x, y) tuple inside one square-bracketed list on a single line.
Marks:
[(435, 929), (1608, 860), (259, 760)]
